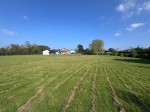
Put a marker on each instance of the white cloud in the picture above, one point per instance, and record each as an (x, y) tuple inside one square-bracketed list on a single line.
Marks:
[(117, 34), (7, 32), (134, 26), (146, 6), (120, 8), (25, 17), (128, 8), (126, 5), (129, 29)]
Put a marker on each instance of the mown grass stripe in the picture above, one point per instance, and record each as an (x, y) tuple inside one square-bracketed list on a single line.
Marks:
[(133, 69), (130, 90), (126, 75), (67, 78), (93, 96), (115, 99), (70, 98)]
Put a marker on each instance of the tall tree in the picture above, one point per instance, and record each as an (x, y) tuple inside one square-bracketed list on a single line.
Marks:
[(87, 51), (112, 50), (97, 47), (80, 48), (28, 46)]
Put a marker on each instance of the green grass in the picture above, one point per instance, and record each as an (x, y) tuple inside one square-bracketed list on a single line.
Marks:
[(74, 83)]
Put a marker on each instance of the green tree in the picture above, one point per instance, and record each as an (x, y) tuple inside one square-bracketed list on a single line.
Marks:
[(113, 51), (97, 47), (28, 46), (15, 49), (3, 51), (80, 49), (87, 51)]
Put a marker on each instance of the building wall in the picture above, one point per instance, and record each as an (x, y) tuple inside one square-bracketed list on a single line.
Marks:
[(45, 52)]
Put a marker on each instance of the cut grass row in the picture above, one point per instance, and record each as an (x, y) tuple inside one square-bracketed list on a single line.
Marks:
[(128, 91), (140, 87), (104, 98)]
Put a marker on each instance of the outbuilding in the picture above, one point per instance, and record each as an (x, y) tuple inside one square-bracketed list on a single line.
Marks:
[(46, 52), (53, 52), (72, 51)]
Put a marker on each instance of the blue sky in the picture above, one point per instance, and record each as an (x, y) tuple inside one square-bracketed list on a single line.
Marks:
[(66, 23)]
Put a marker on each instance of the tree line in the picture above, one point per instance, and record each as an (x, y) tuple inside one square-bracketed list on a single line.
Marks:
[(95, 48), (137, 52), (25, 49)]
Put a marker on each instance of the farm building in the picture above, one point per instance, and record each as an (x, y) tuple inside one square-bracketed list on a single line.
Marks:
[(46, 52), (57, 52), (64, 51)]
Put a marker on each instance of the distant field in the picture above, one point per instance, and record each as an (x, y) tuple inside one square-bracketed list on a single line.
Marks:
[(74, 84)]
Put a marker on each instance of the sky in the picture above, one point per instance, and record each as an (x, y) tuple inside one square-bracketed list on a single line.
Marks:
[(66, 23)]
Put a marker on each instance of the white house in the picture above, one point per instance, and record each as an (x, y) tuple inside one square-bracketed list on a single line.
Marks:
[(46, 52)]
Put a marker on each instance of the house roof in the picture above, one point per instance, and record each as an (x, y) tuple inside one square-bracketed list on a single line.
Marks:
[(64, 50), (54, 50)]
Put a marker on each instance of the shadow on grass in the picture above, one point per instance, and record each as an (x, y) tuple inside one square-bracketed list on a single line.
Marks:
[(134, 60), (131, 98), (144, 67)]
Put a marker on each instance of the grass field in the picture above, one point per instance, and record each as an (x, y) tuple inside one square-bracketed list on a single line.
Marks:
[(74, 84)]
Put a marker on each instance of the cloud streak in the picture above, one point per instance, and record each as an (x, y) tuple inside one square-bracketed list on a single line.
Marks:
[(25, 17), (128, 8), (135, 26), (7, 32), (117, 34)]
